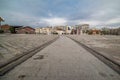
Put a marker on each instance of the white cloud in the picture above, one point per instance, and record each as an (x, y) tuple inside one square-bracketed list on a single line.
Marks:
[(100, 13), (50, 14), (115, 20), (54, 21), (15, 18), (90, 22)]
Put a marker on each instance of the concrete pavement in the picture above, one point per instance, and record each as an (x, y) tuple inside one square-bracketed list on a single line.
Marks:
[(62, 60)]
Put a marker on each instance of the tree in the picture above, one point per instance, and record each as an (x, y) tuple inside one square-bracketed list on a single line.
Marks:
[(12, 30), (1, 20), (1, 31)]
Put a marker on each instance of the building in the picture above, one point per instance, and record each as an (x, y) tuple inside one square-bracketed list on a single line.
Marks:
[(37, 30), (15, 29), (68, 29), (82, 28), (25, 30), (45, 30), (54, 30), (110, 31), (5, 28), (58, 31), (10, 29)]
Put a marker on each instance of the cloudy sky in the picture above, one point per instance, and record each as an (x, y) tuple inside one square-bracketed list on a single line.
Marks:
[(39, 13)]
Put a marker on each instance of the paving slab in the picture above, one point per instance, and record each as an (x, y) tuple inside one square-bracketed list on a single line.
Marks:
[(62, 60)]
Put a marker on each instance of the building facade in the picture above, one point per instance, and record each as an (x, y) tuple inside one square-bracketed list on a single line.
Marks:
[(26, 30), (81, 29), (5, 28)]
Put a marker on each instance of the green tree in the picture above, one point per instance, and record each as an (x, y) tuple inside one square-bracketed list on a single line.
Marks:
[(1, 31), (12, 30), (1, 20)]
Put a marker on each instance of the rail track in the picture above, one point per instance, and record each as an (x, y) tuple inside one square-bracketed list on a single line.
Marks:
[(112, 64), (13, 62)]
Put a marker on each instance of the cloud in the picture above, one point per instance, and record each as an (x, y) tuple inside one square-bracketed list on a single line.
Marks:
[(16, 18), (90, 22), (54, 21), (113, 21), (50, 14), (60, 12)]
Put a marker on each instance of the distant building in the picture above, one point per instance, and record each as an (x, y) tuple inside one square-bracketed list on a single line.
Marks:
[(37, 30), (25, 30), (45, 30), (68, 30), (79, 29), (95, 31), (5, 28), (57, 31), (15, 29), (82, 28), (118, 30), (111, 31)]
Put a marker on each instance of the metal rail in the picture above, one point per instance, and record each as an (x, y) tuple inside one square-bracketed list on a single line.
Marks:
[(13, 62)]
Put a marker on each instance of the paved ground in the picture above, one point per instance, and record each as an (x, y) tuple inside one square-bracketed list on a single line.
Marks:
[(62, 60), (107, 45), (15, 44)]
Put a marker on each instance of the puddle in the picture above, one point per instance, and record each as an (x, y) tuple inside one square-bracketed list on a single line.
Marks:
[(39, 57)]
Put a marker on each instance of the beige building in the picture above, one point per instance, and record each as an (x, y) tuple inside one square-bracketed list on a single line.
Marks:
[(54, 30), (46, 30), (68, 29), (82, 28), (58, 30)]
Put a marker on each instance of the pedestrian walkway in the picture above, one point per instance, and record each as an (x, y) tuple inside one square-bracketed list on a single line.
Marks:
[(62, 60)]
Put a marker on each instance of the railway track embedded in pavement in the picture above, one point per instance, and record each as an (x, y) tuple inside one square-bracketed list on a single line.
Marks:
[(112, 64), (13, 62)]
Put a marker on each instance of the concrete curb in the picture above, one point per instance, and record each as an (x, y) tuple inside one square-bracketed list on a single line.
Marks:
[(112, 64), (13, 62)]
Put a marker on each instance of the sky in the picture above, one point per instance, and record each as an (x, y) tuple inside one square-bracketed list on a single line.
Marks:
[(40, 13)]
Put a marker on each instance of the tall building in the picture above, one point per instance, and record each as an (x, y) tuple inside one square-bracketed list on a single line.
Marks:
[(82, 28)]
